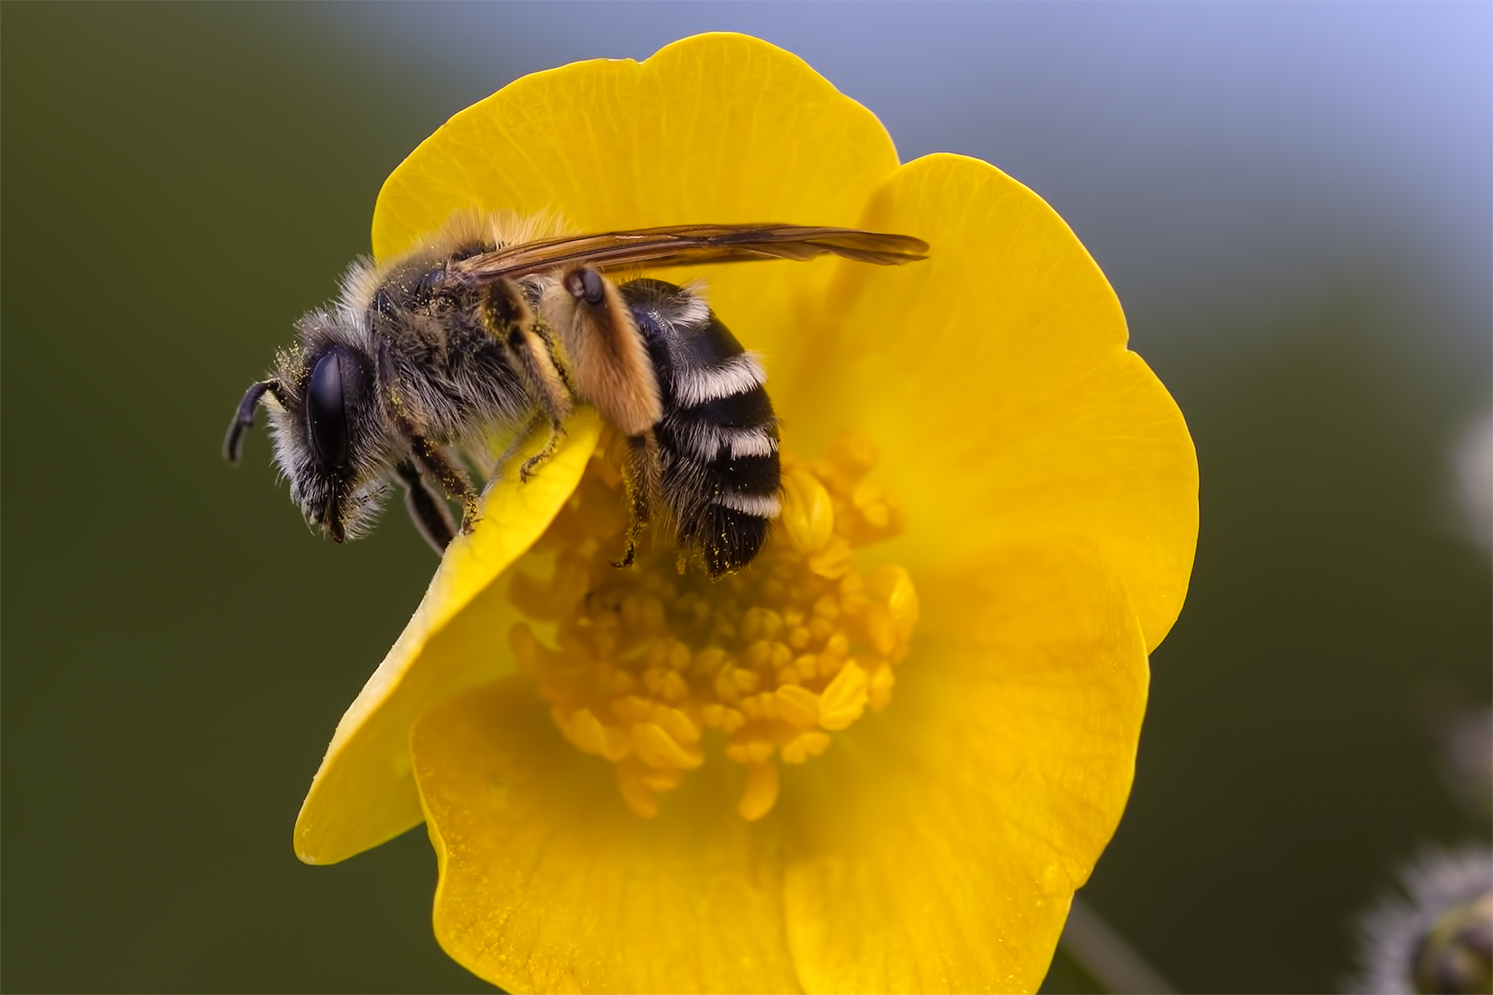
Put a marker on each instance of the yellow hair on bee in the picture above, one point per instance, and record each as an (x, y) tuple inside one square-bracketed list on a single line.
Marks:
[(609, 358)]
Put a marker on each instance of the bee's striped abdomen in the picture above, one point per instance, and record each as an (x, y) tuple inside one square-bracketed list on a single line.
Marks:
[(719, 474)]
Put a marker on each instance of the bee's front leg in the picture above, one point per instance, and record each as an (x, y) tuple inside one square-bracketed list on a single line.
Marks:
[(508, 318), (452, 479), (427, 511), (428, 457)]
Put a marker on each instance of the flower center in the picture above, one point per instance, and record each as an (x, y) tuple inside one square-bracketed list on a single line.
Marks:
[(644, 661)]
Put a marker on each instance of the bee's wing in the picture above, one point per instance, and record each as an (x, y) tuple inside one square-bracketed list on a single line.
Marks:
[(679, 245)]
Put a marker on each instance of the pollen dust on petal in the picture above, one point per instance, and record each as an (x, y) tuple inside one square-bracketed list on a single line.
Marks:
[(644, 666)]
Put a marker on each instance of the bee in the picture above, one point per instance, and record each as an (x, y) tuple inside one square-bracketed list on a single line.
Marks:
[(485, 327)]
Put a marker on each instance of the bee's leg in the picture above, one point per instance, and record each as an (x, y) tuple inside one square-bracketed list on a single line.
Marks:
[(451, 478), (509, 318), (640, 477), (427, 511), (530, 427), (527, 470), (428, 457)]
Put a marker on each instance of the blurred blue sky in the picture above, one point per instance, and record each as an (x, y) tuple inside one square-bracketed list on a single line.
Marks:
[(1225, 162)]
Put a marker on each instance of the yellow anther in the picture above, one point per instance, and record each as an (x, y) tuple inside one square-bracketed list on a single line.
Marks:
[(761, 792), (804, 745), (666, 684), (661, 780), (745, 680), (760, 707), (658, 749), (879, 629), (676, 724), (644, 612), (639, 797), (585, 730), (631, 708), (833, 560), (758, 654), (655, 652), (807, 514), (797, 705), (618, 743), (638, 665), (845, 698), (708, 660), (725, 686), (866, 495), (673, 687), (693, 607), (886, 581), (752, 752)]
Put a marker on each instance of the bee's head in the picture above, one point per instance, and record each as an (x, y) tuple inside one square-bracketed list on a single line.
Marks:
[(330, 439)]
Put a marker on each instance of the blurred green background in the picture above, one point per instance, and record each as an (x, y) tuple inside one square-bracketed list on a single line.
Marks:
[(1293, 203)]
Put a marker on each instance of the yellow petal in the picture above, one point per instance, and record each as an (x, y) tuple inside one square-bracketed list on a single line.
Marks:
[(715, 128), (550, 883), (364, 793), (995, 380), (938, 846)]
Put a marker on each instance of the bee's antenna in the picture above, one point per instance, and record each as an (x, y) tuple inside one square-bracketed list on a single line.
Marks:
[(233, 442)]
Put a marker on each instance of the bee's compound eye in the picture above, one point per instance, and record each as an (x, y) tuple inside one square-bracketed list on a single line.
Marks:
[(326, 411), (587, 283)]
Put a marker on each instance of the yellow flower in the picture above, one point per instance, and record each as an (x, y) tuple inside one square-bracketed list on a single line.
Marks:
[(1035, 488)]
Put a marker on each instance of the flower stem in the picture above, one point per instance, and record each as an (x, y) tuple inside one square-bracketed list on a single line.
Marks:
[(1106, 956)]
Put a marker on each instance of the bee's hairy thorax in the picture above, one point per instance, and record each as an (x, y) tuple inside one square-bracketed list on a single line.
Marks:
[(441, 355)]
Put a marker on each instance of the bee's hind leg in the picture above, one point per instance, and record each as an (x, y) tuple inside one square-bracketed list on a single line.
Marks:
[(426, 509), (640, 478)]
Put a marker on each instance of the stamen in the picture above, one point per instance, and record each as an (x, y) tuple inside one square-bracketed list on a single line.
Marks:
[(655, 670)]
